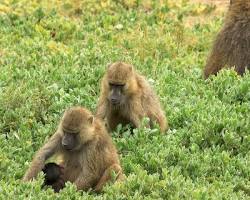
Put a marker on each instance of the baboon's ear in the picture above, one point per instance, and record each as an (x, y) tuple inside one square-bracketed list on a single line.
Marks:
[(130, 67), (91, 119), (108, 65)]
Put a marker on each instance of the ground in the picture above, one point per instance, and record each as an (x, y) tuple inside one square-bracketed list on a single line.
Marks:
[(220, 7)]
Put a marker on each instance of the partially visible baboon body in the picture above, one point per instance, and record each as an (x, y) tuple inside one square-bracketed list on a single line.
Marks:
[(232, 45), (126, 98), (88, 154), (54, 176)]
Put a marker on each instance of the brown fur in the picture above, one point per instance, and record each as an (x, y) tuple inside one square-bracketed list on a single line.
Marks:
[(232, 45), (87, 166), (139, 99)]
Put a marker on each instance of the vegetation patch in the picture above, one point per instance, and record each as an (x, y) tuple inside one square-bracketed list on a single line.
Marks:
[(53, 55)]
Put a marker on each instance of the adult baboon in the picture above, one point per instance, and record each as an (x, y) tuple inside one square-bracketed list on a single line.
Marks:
[(87, 151), (126, 97), (232, 45)]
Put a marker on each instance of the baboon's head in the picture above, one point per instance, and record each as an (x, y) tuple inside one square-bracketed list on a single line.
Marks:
[(121, 83), (77, 128)]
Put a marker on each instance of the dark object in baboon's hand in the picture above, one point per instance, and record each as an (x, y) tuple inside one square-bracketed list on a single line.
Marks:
[(126, 97), (232, 45), (53, 176), (88, 154)]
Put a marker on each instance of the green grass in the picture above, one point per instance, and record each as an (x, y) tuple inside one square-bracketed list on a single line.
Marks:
[(53, 55)]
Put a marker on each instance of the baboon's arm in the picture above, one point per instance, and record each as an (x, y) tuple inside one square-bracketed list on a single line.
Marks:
[(42, 155), (136, 112), (101, 108)]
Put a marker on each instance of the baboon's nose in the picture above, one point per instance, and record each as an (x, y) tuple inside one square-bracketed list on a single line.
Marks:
[(67, 147), (114, 101)]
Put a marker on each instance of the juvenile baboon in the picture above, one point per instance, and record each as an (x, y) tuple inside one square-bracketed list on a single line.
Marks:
[(232, 45), (53, 176), (87, 151), (126, 97)]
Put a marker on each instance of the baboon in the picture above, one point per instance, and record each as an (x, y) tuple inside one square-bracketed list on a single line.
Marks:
[(126, 97), (53, 176), (88, 154), (232, 45)]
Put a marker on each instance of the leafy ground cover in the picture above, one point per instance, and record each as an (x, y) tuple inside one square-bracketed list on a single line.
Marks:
[(53, 54)]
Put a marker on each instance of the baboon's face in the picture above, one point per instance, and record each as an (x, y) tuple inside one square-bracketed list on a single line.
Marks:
[(118, 78), (76, 128), (70, 140), (116, 93)]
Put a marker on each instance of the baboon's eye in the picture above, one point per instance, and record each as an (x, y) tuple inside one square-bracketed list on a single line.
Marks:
[(76, 133), (71, 132), (118, 85)]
